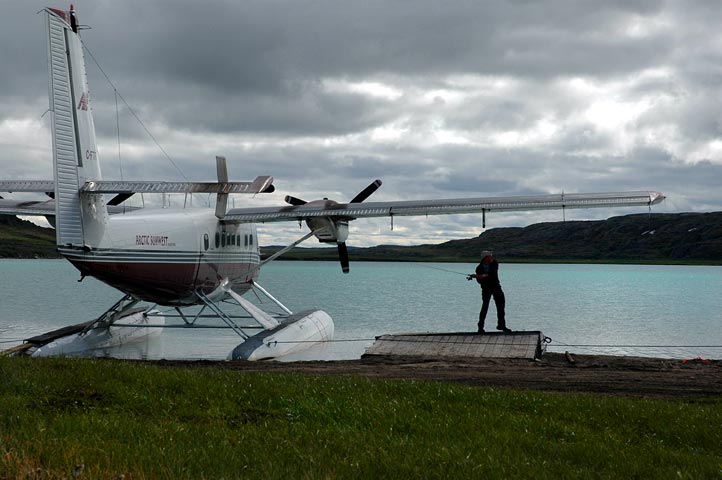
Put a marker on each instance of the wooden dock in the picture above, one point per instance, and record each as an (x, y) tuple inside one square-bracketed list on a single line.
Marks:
[(527, 344)]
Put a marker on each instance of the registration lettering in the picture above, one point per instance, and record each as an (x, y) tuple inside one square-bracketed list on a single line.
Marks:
[(152, 240)]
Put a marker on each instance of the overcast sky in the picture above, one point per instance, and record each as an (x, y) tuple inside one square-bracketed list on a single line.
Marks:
[(437, 99)]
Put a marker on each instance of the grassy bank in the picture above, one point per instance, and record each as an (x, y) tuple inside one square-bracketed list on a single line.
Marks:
[(22, 239), (145, 421)]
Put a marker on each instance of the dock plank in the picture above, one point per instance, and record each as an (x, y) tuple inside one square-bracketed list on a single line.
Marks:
[(523, 344)]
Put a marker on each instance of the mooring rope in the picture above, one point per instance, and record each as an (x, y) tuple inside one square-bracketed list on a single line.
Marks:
[(425, 339), (546, 340), (603, 345), (323, 341)]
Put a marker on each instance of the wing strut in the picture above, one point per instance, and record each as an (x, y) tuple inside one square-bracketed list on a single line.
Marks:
[(287, 248)]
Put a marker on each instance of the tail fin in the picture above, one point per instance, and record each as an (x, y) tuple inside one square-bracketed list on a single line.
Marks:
[(80, 219)]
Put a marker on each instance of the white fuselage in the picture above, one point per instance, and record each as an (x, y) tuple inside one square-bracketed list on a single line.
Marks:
[(166, 255)]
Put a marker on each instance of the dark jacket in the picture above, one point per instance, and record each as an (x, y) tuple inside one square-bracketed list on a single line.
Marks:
[(491, 269)]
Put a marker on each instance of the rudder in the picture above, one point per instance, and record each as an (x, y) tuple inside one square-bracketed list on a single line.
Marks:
[(79, 218)]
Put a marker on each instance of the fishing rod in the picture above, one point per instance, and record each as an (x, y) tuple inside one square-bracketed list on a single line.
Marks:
[(445, 270)]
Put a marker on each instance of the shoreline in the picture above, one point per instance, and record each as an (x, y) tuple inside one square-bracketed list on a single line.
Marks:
[(643, 377), (530, 261)]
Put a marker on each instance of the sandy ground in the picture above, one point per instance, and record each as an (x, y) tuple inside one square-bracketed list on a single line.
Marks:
[(609, 375)]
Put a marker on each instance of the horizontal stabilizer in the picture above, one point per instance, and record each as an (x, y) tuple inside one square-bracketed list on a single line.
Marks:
[(27, 186), (45, 208), (262, 184)]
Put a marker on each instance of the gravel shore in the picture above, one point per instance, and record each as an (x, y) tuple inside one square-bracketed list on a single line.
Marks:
[(598, 374)]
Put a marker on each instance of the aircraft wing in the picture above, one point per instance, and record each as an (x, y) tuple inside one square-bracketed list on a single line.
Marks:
[(440, 207)]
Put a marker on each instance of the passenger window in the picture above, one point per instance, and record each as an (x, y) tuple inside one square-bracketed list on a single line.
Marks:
[(218, 239), (223, 239), (250, 239), (206, 242), (238, 239)]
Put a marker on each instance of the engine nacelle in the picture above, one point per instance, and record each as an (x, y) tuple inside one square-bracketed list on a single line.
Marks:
[(328, 230), (331, 228)]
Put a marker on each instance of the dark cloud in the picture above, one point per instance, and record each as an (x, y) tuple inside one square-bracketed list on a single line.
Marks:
[(437, 100)]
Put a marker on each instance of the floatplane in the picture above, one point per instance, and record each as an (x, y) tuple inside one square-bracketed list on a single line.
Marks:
[(196, 257)]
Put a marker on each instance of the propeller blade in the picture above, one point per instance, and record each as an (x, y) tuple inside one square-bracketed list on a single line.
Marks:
[(221, 198), (366, 192), (294, 201), (343, 256)]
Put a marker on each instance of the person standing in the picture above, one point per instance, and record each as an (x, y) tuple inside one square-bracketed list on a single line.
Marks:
[(487, 274)]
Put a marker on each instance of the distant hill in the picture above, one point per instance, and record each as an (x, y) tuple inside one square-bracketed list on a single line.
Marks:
[(640, 238), (23, 239)]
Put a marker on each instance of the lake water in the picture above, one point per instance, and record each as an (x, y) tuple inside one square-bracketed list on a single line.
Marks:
[(661, 311)]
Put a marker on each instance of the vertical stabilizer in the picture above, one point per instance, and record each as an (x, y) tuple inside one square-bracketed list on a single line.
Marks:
[(79, 219)]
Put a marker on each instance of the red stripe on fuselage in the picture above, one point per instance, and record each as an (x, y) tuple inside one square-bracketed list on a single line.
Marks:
[(167, 283)]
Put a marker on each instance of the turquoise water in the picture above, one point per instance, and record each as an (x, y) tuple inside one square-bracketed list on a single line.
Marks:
[(630, 309)]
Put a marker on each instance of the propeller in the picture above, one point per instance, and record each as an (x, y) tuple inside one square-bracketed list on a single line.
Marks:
[(296, 202), (330, 229), (366, 192), (343, 256)]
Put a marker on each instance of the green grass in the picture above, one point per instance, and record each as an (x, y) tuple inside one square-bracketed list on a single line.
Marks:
[(146, 421)]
